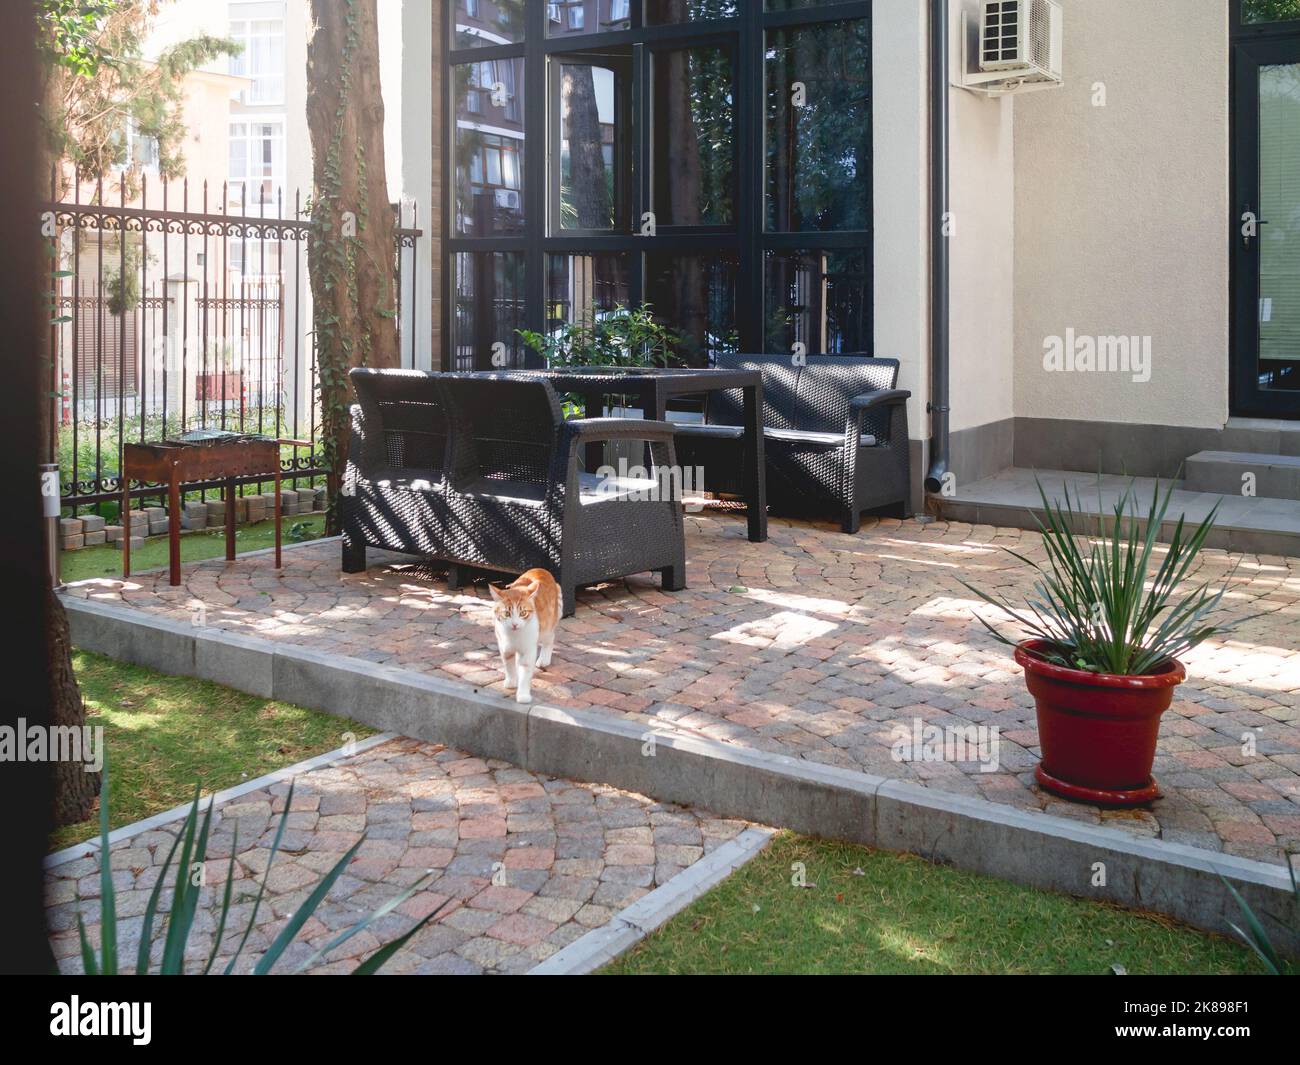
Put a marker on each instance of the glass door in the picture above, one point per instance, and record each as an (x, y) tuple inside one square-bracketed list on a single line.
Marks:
[(1266, 227)]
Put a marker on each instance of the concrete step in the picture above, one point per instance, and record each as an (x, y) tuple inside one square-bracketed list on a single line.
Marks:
[(1010, 499), (1238, 473)]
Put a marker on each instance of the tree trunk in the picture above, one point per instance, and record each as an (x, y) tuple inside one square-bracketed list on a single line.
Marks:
[(75, 788), (75, 791), (352, 256), (590, 183)]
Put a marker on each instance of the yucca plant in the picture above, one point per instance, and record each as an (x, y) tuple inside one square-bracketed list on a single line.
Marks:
[(1097, 604), (193, 841), (1254, 935)]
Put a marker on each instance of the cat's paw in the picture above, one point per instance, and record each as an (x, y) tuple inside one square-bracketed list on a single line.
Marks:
[(523, 697)]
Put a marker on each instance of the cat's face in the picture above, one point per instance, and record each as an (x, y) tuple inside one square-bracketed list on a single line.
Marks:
[(513, 608)]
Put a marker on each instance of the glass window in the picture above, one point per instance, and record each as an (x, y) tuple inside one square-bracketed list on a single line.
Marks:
[(820, 299), (256, 154), (488, 310), (572, 17), (489, 147), (255, 259), (818, 87), (647, 189), (138, 149), (1279, 203), (659, 12), (695, 295), (262, 59), (694, 124), (1269, 10), (488, 22), (590, 190), (583, 287), (794, 5)]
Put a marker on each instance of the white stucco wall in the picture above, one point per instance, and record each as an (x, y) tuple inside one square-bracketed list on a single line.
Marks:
[(406, 76), (982, 246), (901, 194), (1121, 211)]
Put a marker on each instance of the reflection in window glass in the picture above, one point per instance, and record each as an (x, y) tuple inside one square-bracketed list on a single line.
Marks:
[(820, 299), (694, 127), (1279, 246), (818, 82), (590, 187), (695, 295), (583, 288), (488, 22), (488, 309), (490, 147), (793, 5), (572, 17), (658, 12), (1269, 10)]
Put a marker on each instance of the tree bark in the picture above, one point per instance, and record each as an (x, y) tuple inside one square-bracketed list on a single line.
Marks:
[(352, 256), (75, 791), (590, 183)]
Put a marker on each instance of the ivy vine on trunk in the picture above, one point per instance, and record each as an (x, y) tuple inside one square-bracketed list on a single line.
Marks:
[(352, 254)]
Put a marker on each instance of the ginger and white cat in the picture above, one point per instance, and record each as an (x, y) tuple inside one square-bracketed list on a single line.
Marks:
[(526, 616)]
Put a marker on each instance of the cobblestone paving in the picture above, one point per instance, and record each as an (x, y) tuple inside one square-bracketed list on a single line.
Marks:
[(522, 864), (821, 645)]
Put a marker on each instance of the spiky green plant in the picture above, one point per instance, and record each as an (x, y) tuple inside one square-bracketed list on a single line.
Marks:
[(1254, 935), (193, 841), (1097, 603)]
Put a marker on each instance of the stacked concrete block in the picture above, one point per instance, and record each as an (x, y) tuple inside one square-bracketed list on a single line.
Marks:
[(92, 528), (258, 507), (139, 523), (319, 493), (306, 500), (194, 515), (216, 513), (72, 533), (157, 520), (136, 542), (288, 502), (113, 533)]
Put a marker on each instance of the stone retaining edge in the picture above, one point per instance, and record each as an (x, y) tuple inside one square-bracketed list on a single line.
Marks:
[(1023, 846)]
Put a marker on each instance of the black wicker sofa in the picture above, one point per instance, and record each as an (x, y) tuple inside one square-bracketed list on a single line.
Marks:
[(835, 435), (483, 470)]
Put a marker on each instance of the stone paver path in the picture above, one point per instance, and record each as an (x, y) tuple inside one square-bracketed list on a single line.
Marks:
[(522, 864), (821, 646)]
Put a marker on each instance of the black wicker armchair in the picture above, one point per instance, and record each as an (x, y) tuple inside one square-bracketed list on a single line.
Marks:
[(835, 435), (506, 492)]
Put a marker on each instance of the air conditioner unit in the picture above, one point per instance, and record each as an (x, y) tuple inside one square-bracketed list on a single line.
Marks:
[(508, 199), (1016, 47)]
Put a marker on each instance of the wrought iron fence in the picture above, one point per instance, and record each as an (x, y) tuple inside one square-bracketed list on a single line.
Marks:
[(180, 309)]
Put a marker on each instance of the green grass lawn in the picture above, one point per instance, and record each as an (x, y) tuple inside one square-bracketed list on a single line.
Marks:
[(164, 733), (106, 560), (869, 911)]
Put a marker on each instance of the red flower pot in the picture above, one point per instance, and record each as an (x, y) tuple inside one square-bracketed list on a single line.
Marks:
[(1097, 730)]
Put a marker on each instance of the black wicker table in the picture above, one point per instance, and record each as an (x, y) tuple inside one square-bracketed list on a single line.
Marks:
[(654, 386)]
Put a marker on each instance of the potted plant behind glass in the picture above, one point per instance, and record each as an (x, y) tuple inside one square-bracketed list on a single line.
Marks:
[(1104, 635), (620, 337)]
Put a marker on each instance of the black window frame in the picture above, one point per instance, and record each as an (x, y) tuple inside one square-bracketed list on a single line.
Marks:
[(745, 35)]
